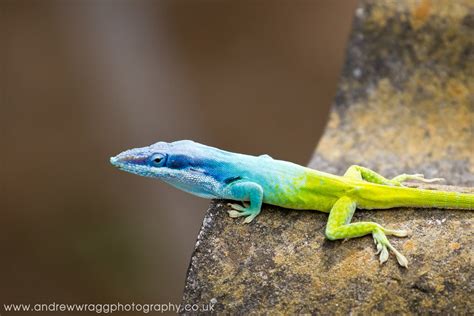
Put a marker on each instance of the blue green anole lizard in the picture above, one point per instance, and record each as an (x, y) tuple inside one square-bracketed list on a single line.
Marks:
[(253, 180)]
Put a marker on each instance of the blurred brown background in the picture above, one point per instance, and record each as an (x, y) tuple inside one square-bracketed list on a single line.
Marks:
[(83, 80)]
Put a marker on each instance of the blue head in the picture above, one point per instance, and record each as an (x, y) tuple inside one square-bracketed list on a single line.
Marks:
[(189, 166)]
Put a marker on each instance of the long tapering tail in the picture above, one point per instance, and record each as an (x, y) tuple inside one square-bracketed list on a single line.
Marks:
[(381, 196)]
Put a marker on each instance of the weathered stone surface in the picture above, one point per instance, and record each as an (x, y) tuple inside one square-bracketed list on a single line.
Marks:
[(404, 104), (283, 263), (405, 101)]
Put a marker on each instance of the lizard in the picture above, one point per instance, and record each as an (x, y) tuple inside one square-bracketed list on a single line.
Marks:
[(213, 173)]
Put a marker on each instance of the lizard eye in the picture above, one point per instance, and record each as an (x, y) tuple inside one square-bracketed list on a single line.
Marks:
[(158, 160)]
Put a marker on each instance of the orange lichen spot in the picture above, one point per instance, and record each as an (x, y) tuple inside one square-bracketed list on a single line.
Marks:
[(457, 90), (454, 245), (350, 265), (409, 245), (420, 13)]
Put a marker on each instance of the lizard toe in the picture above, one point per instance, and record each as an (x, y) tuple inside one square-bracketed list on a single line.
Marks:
[(235, 214), (237, 207)]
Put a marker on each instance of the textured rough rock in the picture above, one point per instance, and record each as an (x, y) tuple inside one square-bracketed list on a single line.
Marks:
[(283, 263), (405, 98), (404, 104)]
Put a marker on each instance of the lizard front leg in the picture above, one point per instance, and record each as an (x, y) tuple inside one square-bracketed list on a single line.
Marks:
[(339, 227), (361, 173), (246, 191)]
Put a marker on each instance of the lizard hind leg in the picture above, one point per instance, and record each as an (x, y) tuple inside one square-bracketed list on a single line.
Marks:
[(339, 227), (362, 173)]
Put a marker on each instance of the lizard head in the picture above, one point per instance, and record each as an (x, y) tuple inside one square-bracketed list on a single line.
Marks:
[(183, 164), (147, 161)]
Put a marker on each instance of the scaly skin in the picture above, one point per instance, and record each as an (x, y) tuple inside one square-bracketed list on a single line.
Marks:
[(213, 173)]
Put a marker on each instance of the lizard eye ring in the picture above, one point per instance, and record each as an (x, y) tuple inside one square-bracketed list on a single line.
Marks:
[(158, 160)]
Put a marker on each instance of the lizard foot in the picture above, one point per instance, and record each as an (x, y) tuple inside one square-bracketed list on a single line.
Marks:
[(382, 244), (239, 211), (398, 180), (397, 232)]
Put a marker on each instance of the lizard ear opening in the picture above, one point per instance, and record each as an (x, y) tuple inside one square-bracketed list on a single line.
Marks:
[(158, 160)]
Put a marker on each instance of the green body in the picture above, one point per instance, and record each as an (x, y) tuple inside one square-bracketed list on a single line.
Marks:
[(319, 191)]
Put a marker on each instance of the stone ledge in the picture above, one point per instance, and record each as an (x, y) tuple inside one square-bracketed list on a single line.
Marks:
[(282, 262)]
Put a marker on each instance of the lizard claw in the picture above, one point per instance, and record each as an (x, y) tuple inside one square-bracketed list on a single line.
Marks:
[(239, 211), (432, 180), (383, 245), (397, 232), (383, 255), (397, 181), (237, 207), (234, 214), (249, 218)]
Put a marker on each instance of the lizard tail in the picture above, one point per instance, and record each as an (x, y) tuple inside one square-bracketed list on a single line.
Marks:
[(388, 197)]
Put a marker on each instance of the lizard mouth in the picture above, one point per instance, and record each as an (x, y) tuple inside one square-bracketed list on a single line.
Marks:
[(122, 164), (131, 166), (114, 161), (119, 163)]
